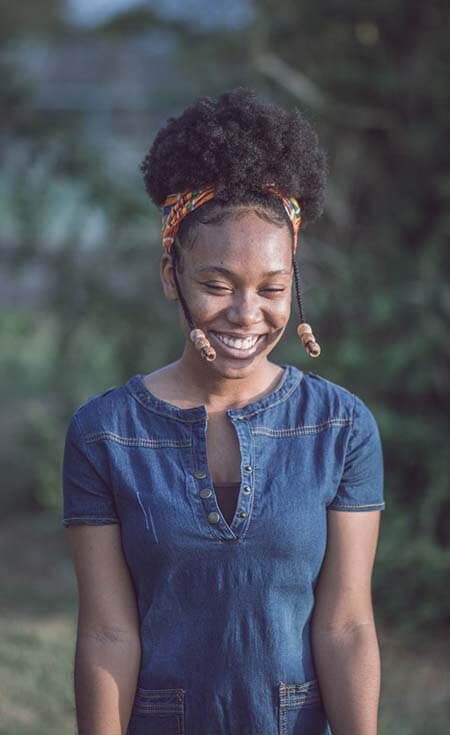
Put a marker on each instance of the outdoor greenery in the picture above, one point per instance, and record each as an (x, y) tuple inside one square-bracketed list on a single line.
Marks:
[(82, 307), (39, 631)]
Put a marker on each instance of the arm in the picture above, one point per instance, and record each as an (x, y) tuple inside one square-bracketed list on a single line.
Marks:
[(108, 648), (344, 637)]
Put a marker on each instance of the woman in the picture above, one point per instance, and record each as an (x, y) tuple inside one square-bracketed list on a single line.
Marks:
[(223, 589)]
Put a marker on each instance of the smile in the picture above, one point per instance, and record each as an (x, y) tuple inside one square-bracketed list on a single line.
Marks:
[(242, 346)]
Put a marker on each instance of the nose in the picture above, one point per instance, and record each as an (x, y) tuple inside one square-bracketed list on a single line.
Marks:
[(245, 309)]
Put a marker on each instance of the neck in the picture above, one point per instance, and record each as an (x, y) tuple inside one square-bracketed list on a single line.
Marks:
[(220, 391)]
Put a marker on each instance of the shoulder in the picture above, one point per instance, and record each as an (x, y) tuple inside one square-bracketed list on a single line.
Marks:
[(322, 400), (102, 411), (325, 398), (326, 389)]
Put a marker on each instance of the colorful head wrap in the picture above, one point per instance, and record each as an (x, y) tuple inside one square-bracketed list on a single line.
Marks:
[(178, 206)]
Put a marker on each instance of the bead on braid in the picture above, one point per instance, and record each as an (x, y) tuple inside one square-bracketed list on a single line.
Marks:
[(178, 206)]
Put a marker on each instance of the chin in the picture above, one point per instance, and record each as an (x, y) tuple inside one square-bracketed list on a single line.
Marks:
[(237, 368)]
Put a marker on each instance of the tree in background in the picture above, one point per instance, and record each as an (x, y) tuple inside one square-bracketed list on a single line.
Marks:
[(375, 79), (83, 309)]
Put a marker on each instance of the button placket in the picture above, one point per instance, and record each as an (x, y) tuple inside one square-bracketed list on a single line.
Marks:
[(210, 506), (204, 491), (245, 499), (209, 502), (212, 512)]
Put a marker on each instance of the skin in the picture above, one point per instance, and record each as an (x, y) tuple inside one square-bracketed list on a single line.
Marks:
[(343, 630), (246, 301)]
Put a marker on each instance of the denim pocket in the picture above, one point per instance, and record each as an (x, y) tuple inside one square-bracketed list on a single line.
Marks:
[(300, 709), (157, 711)]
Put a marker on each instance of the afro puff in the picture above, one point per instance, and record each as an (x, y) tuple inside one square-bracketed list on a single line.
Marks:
[(236, 143)]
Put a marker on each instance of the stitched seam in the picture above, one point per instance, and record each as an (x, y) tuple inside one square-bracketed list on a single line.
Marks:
[(90, 518), (306, 687), (160, 709), (347, 449), (360, 505), (157, 693), (275, 403), (302, 430), (93, 463), (135, 441), (142, 399), (352, 433)]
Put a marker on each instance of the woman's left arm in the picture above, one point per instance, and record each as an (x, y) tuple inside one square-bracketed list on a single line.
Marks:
[(344, 638)]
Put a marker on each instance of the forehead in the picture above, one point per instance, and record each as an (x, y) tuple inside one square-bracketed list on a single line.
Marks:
[(243, 242)]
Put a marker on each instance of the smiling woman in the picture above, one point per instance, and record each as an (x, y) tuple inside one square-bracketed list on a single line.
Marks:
[(224, 509), (241, 309)]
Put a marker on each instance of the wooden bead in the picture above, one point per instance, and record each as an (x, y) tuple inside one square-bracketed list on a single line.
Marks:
[(201, 343), (303, 328), (313, 349), (208, 353), (308, 340), (198, 337)]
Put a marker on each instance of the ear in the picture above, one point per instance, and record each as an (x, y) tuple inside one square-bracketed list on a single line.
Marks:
[(166, 273)]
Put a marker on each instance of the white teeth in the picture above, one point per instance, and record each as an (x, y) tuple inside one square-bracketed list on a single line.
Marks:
[(238, 344)]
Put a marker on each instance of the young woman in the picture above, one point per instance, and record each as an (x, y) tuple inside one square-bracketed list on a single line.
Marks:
[(224, 509)]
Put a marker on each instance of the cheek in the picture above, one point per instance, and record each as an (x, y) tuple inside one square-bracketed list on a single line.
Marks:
[(203, 305), (280, 310), (206, 306)]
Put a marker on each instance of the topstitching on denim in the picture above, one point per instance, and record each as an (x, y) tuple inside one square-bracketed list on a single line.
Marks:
[(134, 441), (224, 609)]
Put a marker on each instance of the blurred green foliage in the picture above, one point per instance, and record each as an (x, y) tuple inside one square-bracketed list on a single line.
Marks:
[(82, 305)]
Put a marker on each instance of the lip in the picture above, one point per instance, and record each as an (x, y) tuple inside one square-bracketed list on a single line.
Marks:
[(233, 351), (236, 335)]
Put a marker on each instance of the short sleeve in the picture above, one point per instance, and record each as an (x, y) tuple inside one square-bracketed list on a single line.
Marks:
[(87, 499), (362, 481)]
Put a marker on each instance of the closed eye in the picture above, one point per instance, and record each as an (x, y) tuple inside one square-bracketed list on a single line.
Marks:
[(224, 288), (217, 288)]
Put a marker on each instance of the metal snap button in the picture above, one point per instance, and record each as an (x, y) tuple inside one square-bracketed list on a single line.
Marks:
[(200, 475), (247, 489), (248, 468), (213, 517), (206, 492), (243, 515)]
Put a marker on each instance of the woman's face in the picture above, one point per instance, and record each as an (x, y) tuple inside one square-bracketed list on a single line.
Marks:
[(237, 283)]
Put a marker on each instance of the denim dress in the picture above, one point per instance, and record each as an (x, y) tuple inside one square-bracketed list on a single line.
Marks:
[(224, 609)]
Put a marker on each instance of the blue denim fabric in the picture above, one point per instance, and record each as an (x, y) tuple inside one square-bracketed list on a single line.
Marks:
[(224, 610)]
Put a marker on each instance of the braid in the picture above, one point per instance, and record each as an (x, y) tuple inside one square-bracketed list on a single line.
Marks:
[(186, 311), (197, 336), (304, 330), (245, 152), (298, 289)]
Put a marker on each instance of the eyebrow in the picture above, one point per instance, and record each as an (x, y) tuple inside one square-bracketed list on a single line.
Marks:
[(226, 272)]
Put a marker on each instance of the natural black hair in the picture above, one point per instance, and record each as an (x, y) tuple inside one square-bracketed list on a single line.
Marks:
[(237, 142)]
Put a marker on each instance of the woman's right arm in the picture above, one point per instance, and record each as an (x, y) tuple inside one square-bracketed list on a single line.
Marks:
[(108, 649)]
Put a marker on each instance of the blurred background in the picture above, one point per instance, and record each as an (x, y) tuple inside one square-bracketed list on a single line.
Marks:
[(84, 87)]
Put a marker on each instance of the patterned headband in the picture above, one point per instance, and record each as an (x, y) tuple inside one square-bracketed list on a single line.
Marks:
[(178, 206)]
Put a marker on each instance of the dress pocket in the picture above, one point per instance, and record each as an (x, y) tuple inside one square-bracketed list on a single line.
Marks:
[(157, 712), (300, 709)]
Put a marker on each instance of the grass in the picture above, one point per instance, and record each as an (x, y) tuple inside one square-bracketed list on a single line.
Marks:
[(37, 638), (37, 628)]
